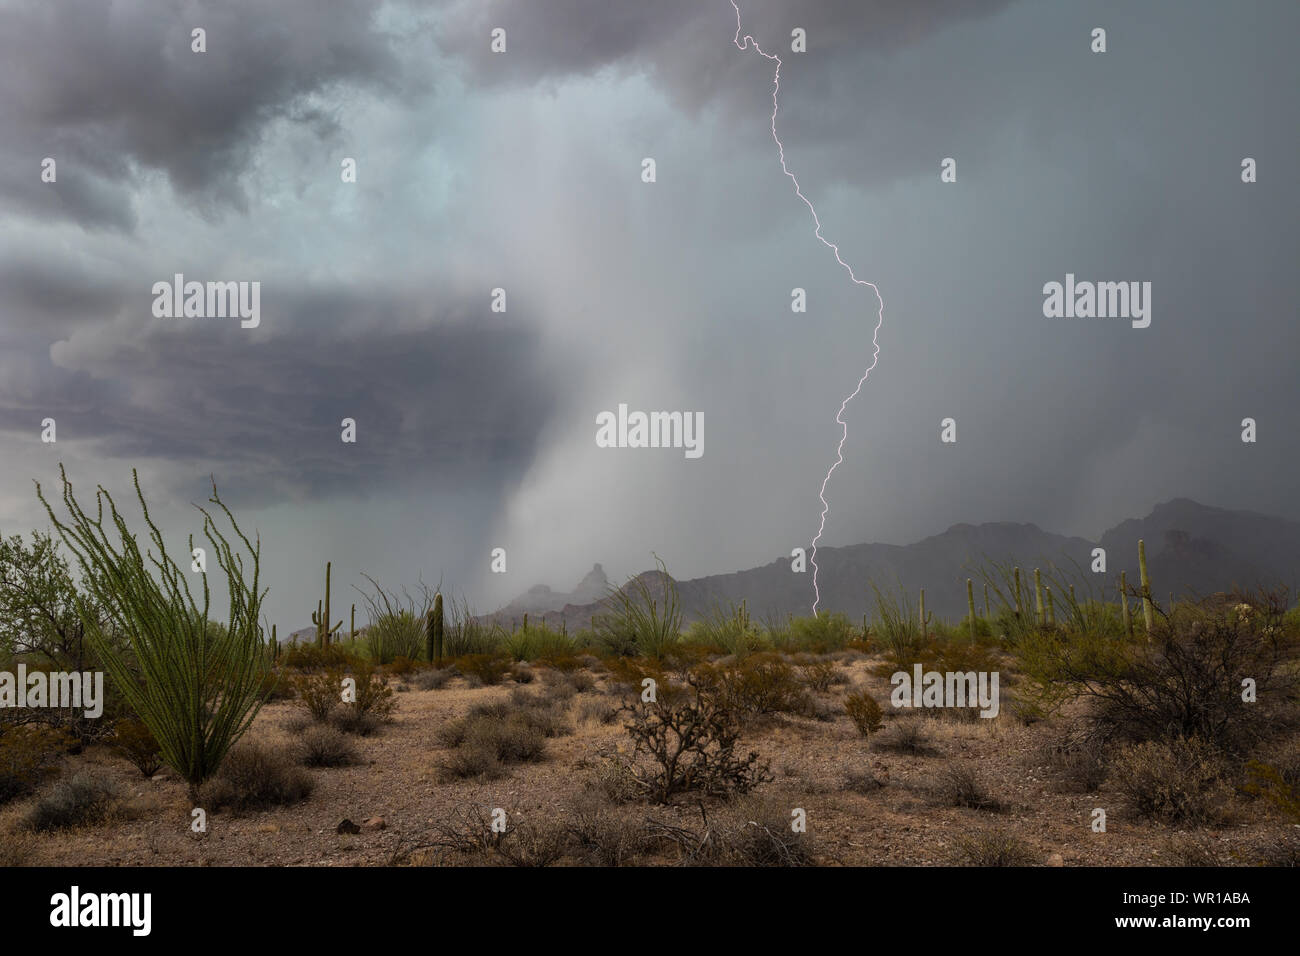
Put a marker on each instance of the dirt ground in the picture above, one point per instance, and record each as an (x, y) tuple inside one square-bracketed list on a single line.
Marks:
[(898, 824)]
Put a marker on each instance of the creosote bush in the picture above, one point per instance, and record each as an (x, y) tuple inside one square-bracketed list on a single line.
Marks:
[(864, 712), (325, 746), (84, 800), (256, 776), (1180, 781), (27, 753), (133, 740)]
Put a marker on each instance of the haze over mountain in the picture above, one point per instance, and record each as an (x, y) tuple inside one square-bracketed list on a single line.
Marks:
[(1191, 549)]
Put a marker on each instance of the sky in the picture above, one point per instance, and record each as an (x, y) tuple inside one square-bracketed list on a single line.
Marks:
[(522, 170)]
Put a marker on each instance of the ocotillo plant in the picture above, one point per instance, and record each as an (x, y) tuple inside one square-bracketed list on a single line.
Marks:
[(1039, 611), (1123, 603), (1148, 613), (197, 688), (322, 617), (433, 629), (986, 600)]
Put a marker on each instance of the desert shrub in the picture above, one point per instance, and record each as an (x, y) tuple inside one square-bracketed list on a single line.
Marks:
[(1176, 782), (994, 848), (323, 746), (690, 735), (907, 736), (313, 657), (255, 776), (597, 711), (521, 673), (820, 634), (134, 741), (861, 781), (490, 669), (752, 833), (476, 760), (18, 847), (358, 723), (864, 712), (611, 778), (1275, 786), (374, 696), (84, 800), (956, 785), (727, 631), (401, 666), (319, 691), (536, 641), (277, 686), (432, 679), (820, 675), (1080, 760), (762, 683), (27, 753), (1186, 680), (642, 618), (1282, 850), (609, 838)]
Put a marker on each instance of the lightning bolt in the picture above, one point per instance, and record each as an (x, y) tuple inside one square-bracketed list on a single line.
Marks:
[(748, 43)]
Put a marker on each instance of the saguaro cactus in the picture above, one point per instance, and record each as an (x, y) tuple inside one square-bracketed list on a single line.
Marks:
[(433, 629), (1039, 611), (1019, 609), (352, 633), (922, 612), (322, 616), (1051, 607), (275, 645), (1148, 612), (970, 605), (1123, 603)]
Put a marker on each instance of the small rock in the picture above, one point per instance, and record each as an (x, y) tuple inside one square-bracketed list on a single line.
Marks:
[(347, 826), (1056, 860), (375, 823)]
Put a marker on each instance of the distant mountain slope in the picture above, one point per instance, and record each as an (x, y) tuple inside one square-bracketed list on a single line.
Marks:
[(1191, 549)]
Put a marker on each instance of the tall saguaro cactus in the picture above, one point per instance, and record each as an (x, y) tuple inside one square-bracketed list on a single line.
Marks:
[(1051, 608), (322, 617), (1039, 610), (1148, 612), (922, 613), (433, 629)]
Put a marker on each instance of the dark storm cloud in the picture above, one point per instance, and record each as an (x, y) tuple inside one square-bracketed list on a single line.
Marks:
[(433, 404), (677, 40), (110, 90)]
